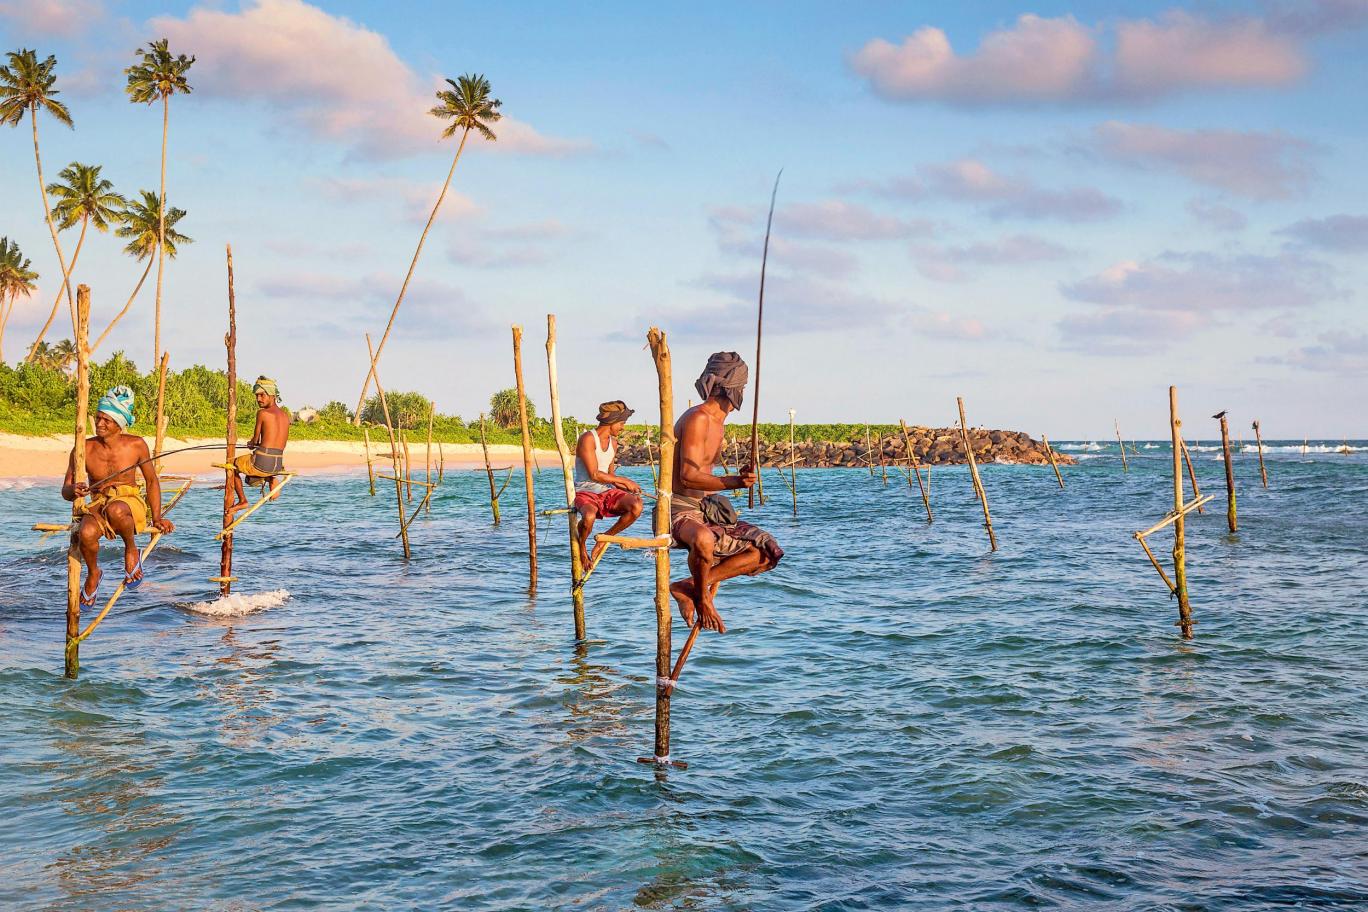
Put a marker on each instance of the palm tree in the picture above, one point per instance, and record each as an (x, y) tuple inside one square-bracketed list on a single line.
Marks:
[(41, 355), (62, 355), (16, 280), (27, 86), (159, 76), (87, 198), (468, 106), (144, 224)]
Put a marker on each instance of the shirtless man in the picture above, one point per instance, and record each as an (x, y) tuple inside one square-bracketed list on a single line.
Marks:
[(117, 508), (599, 490), (272, 432), (714, 556)]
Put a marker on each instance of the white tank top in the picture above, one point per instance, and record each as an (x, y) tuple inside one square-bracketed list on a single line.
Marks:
[(603, 457)]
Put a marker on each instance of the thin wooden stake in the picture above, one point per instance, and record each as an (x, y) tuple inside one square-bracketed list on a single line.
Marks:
[(568, 471), (916, 470), (72, 664), (1192, 473), (408, 467), (1231, 519), (370, 464), (1124, 465), (528, 478), (869, 452), (793, 464), (394, 450), (493, 494), (973, 470), (427, 459), (1049, 451), (229, 435), (1258, 436), (1179, 543)]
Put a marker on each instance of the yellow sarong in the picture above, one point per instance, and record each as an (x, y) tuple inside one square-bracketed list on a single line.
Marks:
[(129, 495)]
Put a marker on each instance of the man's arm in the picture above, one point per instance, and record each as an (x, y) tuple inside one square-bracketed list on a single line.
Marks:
[(695, 462), (70, 489), (257, 432), (153, 481)]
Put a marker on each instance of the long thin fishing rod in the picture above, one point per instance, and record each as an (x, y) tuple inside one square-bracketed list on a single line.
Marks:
[(759, 328), (139, 464)]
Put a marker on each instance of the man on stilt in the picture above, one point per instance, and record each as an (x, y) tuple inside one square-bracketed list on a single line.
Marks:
[(117, 507), (719, 546), (266, 461), (599, 490)]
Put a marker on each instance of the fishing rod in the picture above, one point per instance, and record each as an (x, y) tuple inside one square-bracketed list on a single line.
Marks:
[(139, 464), (759, 326)]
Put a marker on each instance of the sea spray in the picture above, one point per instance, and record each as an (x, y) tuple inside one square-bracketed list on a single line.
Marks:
[(238, 604)]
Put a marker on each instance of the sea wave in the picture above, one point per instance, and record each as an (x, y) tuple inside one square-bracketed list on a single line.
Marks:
[(237, 605)]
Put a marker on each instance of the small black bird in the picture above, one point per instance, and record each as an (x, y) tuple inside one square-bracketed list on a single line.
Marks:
[(1219, 415)]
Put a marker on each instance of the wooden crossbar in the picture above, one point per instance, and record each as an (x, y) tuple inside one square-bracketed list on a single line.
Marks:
[(1174, 514), (423, 484), (142, 557), (265, 498), (630, 543)]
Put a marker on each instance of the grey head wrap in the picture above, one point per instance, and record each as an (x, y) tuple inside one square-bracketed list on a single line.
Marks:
[(726, 372)]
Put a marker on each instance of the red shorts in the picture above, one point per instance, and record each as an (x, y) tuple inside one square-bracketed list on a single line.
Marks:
[(609, 503)]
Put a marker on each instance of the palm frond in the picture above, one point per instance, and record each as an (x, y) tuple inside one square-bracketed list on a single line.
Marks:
[(158, 74), (27, 84), (468, 106), (141, 221)]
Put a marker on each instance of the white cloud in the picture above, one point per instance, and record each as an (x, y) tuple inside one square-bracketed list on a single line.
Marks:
[(52, 18), (1182, 51), (327, 75), (1006, 196), (1217, 215), (958, 264), (1334, 233)]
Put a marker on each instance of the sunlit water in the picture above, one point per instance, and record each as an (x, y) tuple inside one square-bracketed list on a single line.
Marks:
[(897, 719)]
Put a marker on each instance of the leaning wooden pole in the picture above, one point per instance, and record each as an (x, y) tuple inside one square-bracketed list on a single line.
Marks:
[(759, 332), (528, 478), (916, 470), (1125, 466), (73, 613), (1231, 519), (489, 471), (869, 452), (370, 464), (1192, 474), (394, 450), (973, 471), (1049, 451), (660, 351), (225, 580), (1179, 543), (427, 458), (1258, 436), (568, 470)]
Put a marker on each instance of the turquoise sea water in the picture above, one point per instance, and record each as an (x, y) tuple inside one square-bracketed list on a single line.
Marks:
[(897, 719)]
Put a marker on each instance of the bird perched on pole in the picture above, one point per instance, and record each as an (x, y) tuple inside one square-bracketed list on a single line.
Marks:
[(1219, 415)]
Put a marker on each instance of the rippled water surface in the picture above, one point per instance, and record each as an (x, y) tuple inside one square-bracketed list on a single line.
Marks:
[(897, 719)]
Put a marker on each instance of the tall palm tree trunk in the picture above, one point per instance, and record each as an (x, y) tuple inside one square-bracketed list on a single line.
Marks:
[(120, 315), (365, 386), (66, 281), (52, 230), (161, 233), (5, 310)]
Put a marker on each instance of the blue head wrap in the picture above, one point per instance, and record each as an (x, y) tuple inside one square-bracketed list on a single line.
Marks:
[(118, 404)]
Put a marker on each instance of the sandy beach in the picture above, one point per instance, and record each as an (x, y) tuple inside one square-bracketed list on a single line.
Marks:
[(45, 457)]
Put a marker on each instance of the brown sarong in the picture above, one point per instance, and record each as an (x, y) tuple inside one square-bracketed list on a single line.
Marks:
[(689, 509)]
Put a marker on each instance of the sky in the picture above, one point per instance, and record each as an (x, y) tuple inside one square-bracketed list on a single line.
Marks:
[(1053, 210)]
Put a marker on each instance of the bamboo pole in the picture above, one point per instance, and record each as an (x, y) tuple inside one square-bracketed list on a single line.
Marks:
[(1179, 541), (229, 436), (869, 452), (427, 459), (370, 464), (1124, 465), (973, 471), (1258, 436), (883, 462), (1049, 451), (793, 464), (441, 463), (568, 471), (759, 331), (1174, 514), (394, 450), (528, 479), (408, 467), (660, 352), (1231, 519), (72, 663), (916, 469), (493, 495), (1192, 473)]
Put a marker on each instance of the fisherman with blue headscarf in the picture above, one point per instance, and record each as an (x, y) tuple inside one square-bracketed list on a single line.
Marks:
[(117, 507)]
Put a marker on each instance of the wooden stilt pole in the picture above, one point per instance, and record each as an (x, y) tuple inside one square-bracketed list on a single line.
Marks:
[(883, 462), (1125, 466), (1258, 436), (650, 458), (916, 470), (427, 459), (408, 467), (394, 451), (793, 464), (568, 471), (493, 494), (370, 464), (973, 471), (72, 663), (869, 452), (229, 435), (1049, 451), (1231, 520), (528, 478), (1179, 542), (1192, 473), (660, 351)]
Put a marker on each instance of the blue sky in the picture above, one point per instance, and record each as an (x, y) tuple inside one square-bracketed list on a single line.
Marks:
[(1052, 210)]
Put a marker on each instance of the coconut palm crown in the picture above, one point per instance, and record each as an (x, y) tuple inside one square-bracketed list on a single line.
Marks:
[(140, 222), (83, 195), (468, 106), (158, 75), (16, 278), (27, 85)]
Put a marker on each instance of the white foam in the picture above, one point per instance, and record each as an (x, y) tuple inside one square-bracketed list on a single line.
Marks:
[(237, 605)]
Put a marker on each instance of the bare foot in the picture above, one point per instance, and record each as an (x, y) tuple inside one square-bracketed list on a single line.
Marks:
[(599, 548), (240, 505), (709, 617), (683, 594)]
